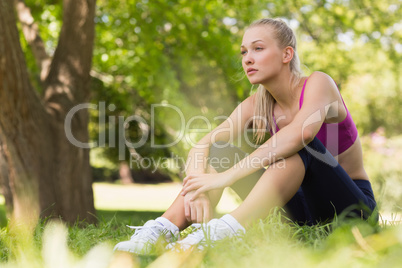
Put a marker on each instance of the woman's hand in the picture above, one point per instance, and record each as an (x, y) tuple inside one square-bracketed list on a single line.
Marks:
[(198, 210), (201, 183)]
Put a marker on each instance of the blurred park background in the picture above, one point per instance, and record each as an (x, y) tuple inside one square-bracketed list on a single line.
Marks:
[(121, 58)]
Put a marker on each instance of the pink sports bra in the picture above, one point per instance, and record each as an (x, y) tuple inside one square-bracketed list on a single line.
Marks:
[(337, 137)]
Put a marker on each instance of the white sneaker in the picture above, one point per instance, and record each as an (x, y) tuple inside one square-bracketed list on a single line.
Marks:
[(145, 237), (214, 230)]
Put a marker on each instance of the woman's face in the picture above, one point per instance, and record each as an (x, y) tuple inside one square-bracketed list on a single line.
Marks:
[(262, 58)]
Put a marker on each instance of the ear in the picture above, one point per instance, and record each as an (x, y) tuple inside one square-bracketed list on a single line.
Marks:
[(288, 53)]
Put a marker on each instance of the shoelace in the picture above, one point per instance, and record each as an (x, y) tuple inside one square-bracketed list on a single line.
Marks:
[(207, 232), (196, 225), (145, 228), (198, 233)]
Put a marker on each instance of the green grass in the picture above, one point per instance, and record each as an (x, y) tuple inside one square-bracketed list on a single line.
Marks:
[(269, 243), (3, 217), (18, 246)]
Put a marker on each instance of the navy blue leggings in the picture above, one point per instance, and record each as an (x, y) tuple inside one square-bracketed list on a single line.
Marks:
[(326, 189)]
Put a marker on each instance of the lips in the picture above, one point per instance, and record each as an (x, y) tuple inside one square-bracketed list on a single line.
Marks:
[(251, 71)]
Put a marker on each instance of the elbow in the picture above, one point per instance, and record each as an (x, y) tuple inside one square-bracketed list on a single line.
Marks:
[(307, 136)]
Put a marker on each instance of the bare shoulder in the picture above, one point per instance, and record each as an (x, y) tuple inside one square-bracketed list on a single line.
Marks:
[(249, 102), (247, 108), (322, 89), (251, 98), (321, 82)]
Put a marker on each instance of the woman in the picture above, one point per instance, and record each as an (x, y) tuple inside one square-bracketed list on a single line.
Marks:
[(313, 182)]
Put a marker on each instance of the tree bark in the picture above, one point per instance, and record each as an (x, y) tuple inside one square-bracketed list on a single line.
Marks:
[(5, 182), (31, 34), (47, 174)]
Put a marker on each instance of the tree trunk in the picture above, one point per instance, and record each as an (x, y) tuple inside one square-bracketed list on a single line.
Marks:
[(47, 175), (4, 181)]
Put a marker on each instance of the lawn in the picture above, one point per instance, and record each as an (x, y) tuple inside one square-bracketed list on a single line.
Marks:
[(269, 243), (117, 206)]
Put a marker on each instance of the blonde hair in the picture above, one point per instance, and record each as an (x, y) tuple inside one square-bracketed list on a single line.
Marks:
[(264, 108)]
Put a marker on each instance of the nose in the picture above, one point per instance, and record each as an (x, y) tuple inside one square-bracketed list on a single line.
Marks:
[(247, 59)]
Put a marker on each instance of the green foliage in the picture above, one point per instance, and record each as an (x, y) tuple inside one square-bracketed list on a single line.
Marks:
[(382, 158), (167, 52), (167, 39), (186, 53)]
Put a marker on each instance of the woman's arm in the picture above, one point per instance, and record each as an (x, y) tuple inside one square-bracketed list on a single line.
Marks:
[(227, 131), (321, 101), (198, 209)]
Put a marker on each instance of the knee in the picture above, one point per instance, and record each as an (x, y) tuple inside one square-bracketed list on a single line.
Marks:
[(317, 145), (222, 155), (217, 148), (217, 152)]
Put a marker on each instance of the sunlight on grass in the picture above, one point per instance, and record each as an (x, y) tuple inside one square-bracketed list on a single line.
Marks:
[(269, 243), (147, 197), (56, 253)]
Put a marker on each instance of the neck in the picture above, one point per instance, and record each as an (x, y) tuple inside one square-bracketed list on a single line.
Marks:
[(282, 89)]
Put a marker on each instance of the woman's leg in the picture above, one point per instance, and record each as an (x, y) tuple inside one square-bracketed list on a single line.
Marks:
[(279, 183), (328, 189), (175, 213), (326, 186), (223, 156)]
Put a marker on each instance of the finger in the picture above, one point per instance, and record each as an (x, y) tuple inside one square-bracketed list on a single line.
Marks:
[(207, 212), (194, 196), (186, 179), (197, 193), (191, 180), (190, 187), (187, 210), (185, 190), (199, 214), (193, 212)]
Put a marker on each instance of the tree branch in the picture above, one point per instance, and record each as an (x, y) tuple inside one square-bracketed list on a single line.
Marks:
[(68, 81), (31, 33), (14, 77), (304, 22)]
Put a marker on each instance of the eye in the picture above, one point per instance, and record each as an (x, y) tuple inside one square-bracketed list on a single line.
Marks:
[(243, 52), (258, 48)]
